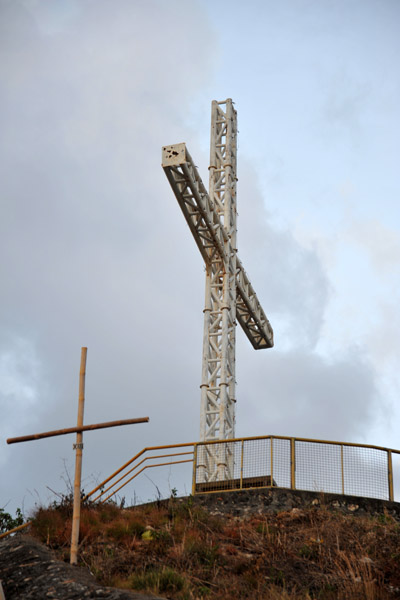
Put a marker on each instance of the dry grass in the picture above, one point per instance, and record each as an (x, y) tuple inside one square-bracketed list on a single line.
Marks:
[(180, 551)]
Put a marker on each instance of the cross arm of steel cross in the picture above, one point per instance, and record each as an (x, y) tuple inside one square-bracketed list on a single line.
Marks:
[(210, 236), (196, 204), (249, 312)]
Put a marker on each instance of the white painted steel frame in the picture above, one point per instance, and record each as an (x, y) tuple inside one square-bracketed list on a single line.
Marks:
[(217, 413), (229, 294)]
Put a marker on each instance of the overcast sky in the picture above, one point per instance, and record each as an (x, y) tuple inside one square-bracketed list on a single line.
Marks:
[(95, 251)]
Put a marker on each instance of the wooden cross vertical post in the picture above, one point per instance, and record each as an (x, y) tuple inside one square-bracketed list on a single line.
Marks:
[(76, 515)]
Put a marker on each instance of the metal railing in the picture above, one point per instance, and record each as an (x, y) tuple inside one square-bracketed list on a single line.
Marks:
[(270, 461), (138, 466), (266, 462), (296, 463)]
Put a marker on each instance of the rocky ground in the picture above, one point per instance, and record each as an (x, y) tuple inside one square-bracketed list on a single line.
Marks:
[(29, 570)]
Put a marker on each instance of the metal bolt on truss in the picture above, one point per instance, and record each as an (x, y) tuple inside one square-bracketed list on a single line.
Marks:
[(229, 295)]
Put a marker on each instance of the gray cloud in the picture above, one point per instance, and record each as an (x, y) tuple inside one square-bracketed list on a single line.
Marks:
[(345, 104), (293, 389), (300, 393), (289, 276), (95, 251), (88, 229), (380, 241)]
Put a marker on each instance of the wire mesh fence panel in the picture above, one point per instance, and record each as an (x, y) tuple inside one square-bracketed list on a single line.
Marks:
[(257, 465), (236, 449), (218, 466), (318, 467), (365, 472), (396, 476), (281, 462)]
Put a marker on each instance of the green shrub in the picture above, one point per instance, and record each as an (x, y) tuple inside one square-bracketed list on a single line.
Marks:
[(164, 580), (7, 522), (135, 528), (205, 554)]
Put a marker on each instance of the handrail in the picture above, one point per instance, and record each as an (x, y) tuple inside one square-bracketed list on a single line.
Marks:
[(298, 439), (176, 462), (129, 462), (138, 465), (299, 467)]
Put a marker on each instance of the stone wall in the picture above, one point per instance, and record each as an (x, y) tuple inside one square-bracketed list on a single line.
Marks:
[(273, 500)]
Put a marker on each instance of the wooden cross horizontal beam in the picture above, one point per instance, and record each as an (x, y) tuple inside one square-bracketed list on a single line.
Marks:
[(46, 434)]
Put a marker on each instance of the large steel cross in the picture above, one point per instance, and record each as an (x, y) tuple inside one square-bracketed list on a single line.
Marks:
[(229, 294)]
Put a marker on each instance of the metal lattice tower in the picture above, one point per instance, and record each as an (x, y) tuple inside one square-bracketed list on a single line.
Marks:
[(229, 294)]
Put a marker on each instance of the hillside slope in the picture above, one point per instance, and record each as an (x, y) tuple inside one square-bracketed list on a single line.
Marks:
[(263, 544)]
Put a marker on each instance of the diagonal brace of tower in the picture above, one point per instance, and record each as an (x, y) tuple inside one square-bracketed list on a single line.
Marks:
[(229, 294)]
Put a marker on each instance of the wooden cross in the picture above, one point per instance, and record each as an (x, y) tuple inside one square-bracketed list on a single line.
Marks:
[(78, 447)]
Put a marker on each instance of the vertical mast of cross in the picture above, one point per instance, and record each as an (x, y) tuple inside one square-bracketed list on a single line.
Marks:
[(217, 417)]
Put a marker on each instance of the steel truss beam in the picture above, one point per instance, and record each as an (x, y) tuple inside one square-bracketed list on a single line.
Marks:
[(210, 235), (229, 294)]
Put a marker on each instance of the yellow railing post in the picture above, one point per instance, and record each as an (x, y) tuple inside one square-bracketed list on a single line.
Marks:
[(342, 466), (272, 462), (390, 475), (293, 463), (241, 466), (194, 469)]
